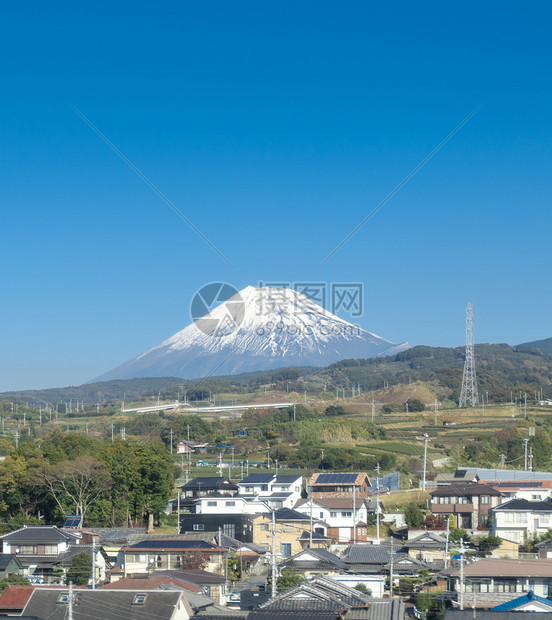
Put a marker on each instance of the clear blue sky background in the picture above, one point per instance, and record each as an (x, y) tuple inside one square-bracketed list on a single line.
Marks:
[(275, 127)]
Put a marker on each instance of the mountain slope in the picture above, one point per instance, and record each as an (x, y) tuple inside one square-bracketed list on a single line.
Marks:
[(544, 345), (256, 329)]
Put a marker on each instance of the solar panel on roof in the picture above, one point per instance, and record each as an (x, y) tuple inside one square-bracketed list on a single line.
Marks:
[(73, 521), (336, 478)]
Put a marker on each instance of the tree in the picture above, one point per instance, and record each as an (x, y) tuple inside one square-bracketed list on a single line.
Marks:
[(361, 587), (193, 560), (488, 543), (413, 515), (414, 405), (80, 571), (13, 580), (288, 579), (74, 485), (457, 533)]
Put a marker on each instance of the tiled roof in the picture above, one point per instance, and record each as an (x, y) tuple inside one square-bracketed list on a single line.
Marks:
[(525, 504), (6, 558), (287, 478), (367, 554), (462, 488), (39, 534), (167, 544), (15, 597), (151, 582), (489, 567), (428, 540), (120, 535), (200, 577), (333, 502), (522, 600), (258, 479), (322, 559)]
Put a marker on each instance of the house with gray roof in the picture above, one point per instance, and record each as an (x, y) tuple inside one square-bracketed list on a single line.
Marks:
[(519, 519)]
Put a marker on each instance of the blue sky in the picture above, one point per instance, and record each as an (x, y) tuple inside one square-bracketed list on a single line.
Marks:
[(275, 127)]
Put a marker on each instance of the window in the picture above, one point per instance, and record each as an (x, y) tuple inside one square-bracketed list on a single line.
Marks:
[(139, 599), (230, 503), (198, 527), (211, 503), (63, 597), (346, 514), (285, 549), (536, 496), (321, 515), (264, 527), (333, 515), (505, 585), (28, 549), (485, 499), (229, 529)]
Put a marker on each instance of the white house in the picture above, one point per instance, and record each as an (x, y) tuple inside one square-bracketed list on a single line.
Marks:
[(217, 504), (278, 491), (342, 515), (520, 519)]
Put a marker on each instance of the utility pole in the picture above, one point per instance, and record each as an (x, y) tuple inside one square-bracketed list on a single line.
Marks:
[(530, 458), (294, 419), (16, 434), (273, 554), (93, 562), (112, 431), (525, 442), (391, 571), (436, 408), (171, 433), (70, 602), (447, 538), (377, 505), (461, 551), (426, 439), (373, 410), (354, 516), (310, 531), (503, 460)]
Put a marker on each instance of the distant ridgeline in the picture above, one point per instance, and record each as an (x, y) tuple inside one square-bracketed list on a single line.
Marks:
[(500, 369)]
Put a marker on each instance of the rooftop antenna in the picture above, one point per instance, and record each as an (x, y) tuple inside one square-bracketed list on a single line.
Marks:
[(468, 394)]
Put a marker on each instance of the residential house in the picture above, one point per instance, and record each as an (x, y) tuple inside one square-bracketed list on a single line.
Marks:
[(213, 585), (470, 503), (426, 547), (339, 485), (215, 503), (53, 603), (290, 525), (314, 539), (345, 517), (168, 553), (276, 490), (367, 559), (519, 484), (527, 602), (520, 519), (327, 599), (238, 526), (490, 582), (39, 550), (9, 565), (187, 447), (545, 548), (113, 539), (202, 486), (312, 562)]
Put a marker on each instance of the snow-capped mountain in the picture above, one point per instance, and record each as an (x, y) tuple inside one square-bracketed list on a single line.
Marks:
[(256, 329)]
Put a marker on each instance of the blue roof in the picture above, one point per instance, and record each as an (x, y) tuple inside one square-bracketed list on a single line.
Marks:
[(522, 600)]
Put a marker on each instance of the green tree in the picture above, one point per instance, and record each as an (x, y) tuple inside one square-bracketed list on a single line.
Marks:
[(13, 580), (361, 587), (488, 543), (80, 571), (288, 579), (413, 515)]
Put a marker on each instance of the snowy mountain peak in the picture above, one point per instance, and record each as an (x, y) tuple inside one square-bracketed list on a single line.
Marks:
[(254, 329)]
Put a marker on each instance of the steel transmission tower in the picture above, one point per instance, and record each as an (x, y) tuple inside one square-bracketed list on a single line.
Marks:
[(468, 394)]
